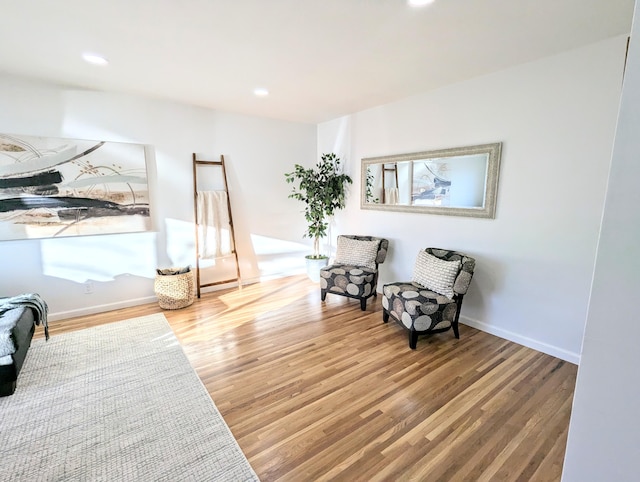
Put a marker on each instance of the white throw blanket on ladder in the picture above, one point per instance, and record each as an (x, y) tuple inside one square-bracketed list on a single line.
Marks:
[(214, 224), (391, 195)]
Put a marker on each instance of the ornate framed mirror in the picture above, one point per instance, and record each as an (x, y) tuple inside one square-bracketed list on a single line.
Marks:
[(461, 181)]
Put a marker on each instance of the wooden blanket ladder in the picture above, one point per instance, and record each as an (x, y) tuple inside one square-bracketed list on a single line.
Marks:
[(197, 163)]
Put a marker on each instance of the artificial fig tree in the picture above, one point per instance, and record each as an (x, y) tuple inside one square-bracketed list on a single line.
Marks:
[(323, 189)]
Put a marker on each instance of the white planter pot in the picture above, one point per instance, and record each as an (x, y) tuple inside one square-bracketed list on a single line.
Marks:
[(313, 267)]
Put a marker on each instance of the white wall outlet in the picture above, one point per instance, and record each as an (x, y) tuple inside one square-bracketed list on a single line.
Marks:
[(88, 287)]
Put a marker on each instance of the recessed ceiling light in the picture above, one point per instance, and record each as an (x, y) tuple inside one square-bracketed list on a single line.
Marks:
[(95, 59), (420, 3), (261, 92)]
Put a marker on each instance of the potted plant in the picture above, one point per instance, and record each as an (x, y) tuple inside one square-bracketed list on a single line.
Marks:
[(323, 190)]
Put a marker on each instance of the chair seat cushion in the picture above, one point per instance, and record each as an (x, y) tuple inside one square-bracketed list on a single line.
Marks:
[(417, 307), (350, 280)]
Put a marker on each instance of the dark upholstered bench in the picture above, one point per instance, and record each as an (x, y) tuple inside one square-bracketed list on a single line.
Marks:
[(22, 335)]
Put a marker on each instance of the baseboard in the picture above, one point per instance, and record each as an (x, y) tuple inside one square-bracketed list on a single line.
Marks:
[(92, 310), (522, 340)]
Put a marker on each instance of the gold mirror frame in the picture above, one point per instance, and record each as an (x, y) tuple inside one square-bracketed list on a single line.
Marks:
[(444, 157)]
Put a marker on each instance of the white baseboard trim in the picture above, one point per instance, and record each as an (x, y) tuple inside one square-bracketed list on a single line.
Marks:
[(522, 340), (92, 310)]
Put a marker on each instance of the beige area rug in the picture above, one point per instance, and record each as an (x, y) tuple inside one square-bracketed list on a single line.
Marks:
[(115, 402)]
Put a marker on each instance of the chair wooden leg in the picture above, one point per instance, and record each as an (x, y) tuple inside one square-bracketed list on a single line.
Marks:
[(385, 315), (413, 339), (323, 294), (454, 325), (363, 304)]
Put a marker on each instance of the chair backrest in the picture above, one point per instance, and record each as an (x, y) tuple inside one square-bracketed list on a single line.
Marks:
[(382, 247), (468, 264)]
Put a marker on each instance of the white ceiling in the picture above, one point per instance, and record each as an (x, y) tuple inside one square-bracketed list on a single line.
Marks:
[(320, 59)]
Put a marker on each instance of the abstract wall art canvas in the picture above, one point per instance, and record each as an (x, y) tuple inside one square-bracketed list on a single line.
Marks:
[(52, 187)]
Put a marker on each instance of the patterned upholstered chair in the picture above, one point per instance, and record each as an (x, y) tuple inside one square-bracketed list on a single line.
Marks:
[(354, 272), (431, 301)]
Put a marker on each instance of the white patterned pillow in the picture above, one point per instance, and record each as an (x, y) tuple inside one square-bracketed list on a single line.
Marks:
[(356, 252), (436, 274)]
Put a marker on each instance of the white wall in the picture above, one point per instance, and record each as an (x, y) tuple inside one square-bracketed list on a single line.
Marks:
[(556, 119), (258, 152), (604, 433)]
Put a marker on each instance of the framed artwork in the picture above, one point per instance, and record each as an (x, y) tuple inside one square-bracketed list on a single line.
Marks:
[(53, 187)]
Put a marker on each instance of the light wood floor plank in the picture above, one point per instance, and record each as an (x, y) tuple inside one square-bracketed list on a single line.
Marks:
[(325, 391)]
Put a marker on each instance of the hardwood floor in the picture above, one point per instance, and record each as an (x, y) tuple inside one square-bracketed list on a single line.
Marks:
[(325, 391)]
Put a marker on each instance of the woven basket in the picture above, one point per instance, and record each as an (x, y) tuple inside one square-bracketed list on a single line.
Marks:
[(174, 291)]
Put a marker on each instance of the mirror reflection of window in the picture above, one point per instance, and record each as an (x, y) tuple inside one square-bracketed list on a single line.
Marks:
[(404, 184), (469, 179)]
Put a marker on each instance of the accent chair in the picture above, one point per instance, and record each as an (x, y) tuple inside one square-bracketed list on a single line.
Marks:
[(431, 301), (354, 272)]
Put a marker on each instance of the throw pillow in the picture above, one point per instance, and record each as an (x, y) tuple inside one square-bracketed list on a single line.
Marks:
[(436, 274), (356, 252)]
